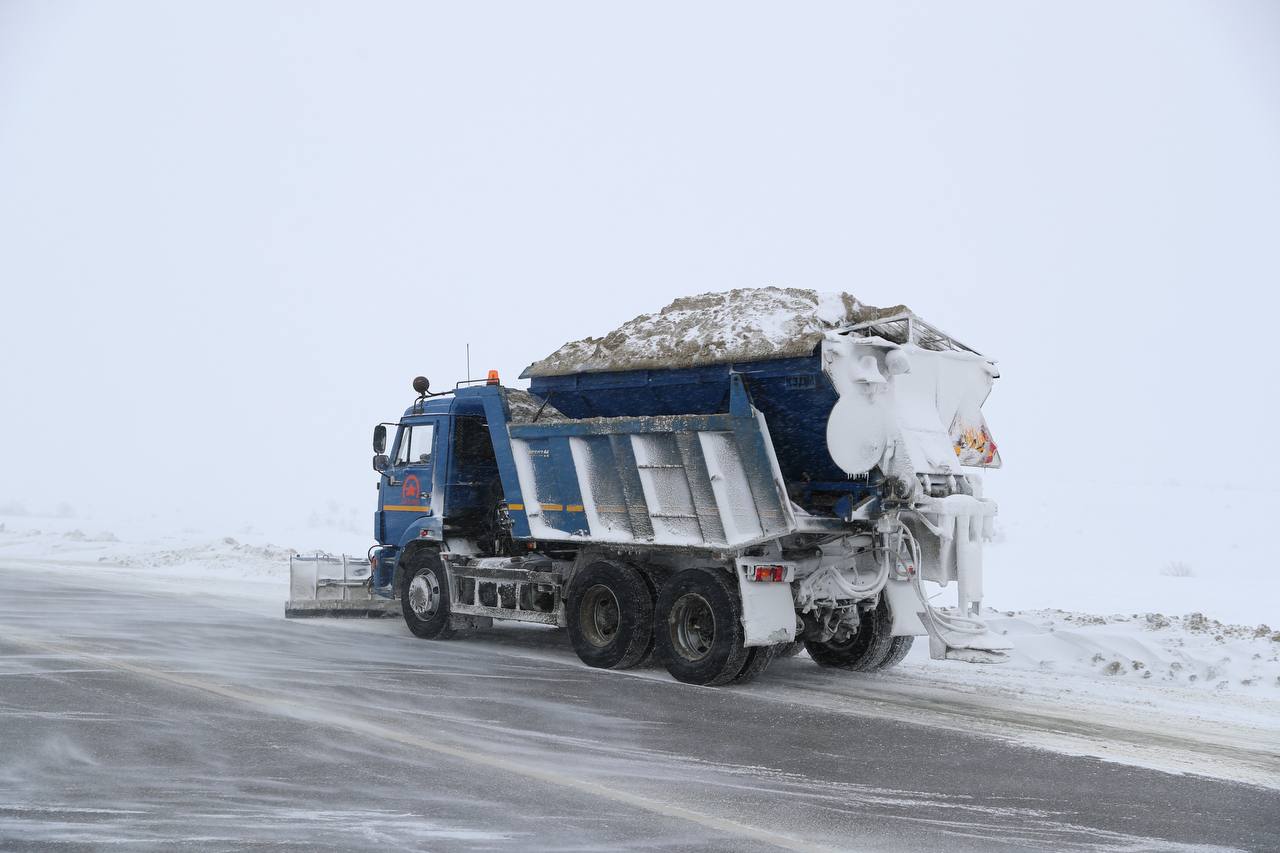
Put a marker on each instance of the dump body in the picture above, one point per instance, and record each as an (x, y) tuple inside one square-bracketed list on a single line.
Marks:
[(689, 480), (794, 395)]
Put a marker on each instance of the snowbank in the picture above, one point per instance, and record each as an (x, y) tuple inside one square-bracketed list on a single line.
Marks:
[(748, 324), (1190, 650), (247, 564)]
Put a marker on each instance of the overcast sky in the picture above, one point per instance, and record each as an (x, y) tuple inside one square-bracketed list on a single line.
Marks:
[(231, 233)]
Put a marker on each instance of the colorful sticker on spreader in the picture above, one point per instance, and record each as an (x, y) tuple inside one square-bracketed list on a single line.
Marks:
[(973, 444)]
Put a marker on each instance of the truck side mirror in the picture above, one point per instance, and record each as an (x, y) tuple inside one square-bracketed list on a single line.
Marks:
[(380, 438), (380, 462)]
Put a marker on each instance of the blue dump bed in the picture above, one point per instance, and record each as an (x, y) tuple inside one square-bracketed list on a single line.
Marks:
[(688, 480), (794, 394)]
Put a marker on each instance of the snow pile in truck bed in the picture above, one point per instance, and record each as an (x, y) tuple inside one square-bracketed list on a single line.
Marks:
[(748, 324), (525, 408)]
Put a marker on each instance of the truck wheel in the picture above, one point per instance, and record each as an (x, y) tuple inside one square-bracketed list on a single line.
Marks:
[(866, 650), (897, 651), (424, 601), (698, 627), (610, 615), (758, 660), (790, 650)]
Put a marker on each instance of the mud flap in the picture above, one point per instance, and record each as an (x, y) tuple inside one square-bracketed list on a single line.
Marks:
[(768, 611)]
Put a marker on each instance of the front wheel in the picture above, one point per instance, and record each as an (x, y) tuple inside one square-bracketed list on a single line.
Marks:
[(424, 600), (698, 627)]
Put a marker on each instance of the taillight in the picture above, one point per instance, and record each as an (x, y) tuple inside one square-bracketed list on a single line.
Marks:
[(774, 574)]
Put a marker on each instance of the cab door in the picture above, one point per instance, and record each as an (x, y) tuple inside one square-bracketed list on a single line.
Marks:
[(406, 490)]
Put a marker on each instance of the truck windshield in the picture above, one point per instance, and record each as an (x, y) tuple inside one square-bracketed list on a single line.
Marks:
[(414, 446)]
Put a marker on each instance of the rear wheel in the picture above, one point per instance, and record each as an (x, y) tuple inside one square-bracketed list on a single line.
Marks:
[(866, 649), (897, 651), (699, 628), (424, 600), (790, 650), (610, 615), (758, 660)]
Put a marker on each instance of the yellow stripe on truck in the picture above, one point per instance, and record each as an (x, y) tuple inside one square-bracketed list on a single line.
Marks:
[(518, 507)]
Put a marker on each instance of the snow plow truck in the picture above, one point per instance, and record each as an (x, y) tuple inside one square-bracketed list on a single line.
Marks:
[(735, 478)]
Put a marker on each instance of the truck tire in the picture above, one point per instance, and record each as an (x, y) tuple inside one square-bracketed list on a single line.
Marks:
[(698, 627), (758, 660), (866, 650), (424, 600), (790, 650), (897, 651), (609, 609)]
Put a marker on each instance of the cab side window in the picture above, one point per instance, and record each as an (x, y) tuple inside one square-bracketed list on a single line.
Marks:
[(414, 447), (402, 445)]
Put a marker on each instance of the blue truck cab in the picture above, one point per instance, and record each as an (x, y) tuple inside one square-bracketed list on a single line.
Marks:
[(441, 476), (424, 479)]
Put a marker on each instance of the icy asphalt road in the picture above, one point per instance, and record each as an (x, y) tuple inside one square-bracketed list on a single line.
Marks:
[(145, 718)]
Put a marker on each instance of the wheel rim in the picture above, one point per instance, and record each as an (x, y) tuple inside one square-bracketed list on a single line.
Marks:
[(424, 595), (692, 625), (599, 615)]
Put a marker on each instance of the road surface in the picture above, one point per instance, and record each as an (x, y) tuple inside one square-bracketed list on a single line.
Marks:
[(142, 717)]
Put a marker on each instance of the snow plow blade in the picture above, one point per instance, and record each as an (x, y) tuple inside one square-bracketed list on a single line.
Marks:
[(325, 585), (374, 608)]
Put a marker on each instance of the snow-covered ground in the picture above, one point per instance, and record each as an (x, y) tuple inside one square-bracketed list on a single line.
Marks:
[(1169, 584), (1140, 603)]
